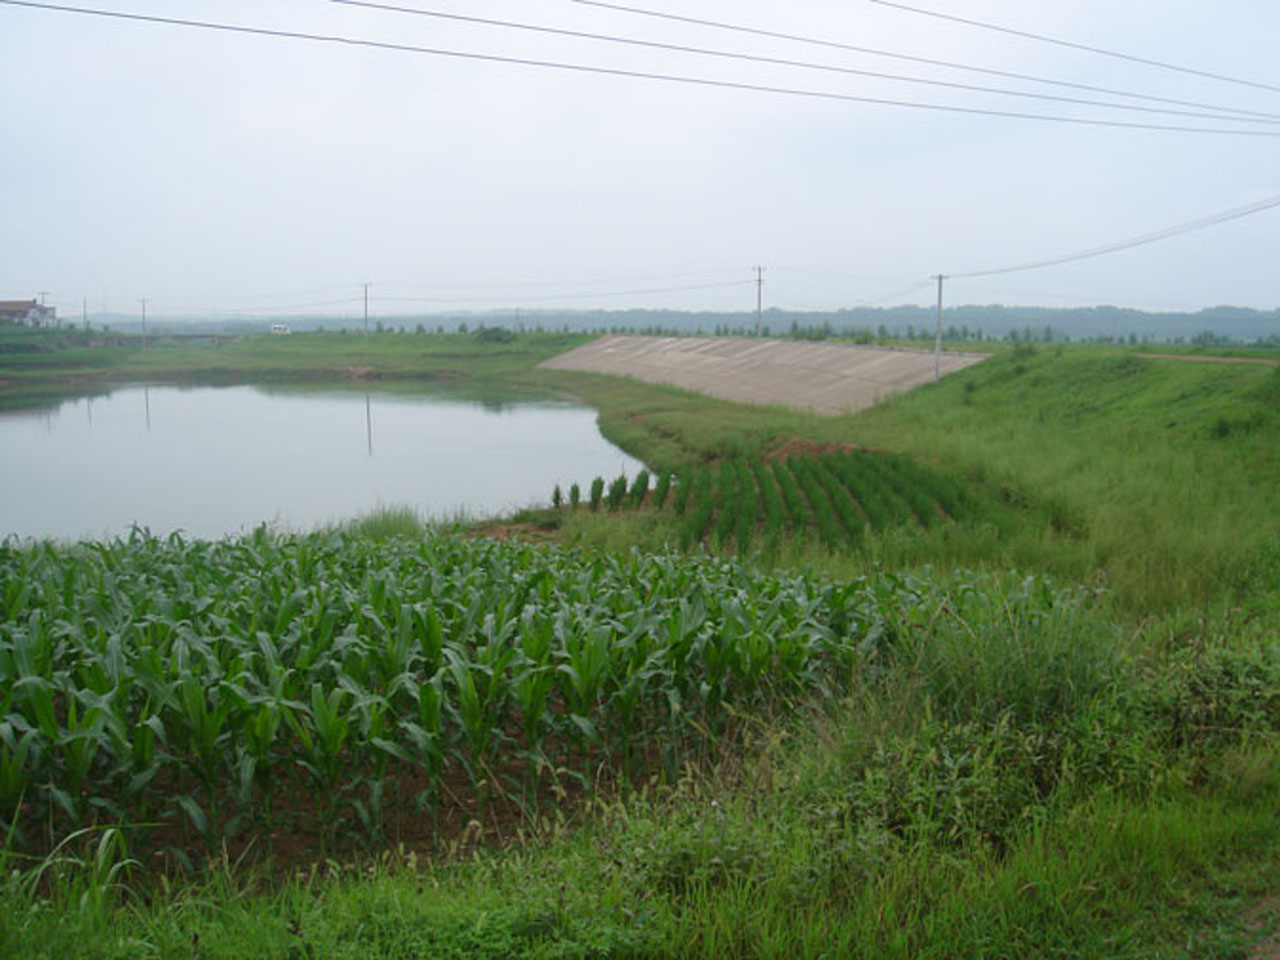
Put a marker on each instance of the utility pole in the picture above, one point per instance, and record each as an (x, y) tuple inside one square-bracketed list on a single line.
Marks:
[(366, 318), (937, 339), (84, 312), (143, 301), (42, 294), (759, 300)]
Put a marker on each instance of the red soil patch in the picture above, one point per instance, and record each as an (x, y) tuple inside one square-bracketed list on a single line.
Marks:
[(528, 532), (811, 448)]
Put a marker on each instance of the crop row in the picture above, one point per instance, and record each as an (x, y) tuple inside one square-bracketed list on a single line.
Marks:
[(837, 497), (228, 687)]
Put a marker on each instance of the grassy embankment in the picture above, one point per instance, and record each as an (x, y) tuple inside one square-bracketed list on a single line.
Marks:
[(45, 366), (1154, 478), (1010, 769)]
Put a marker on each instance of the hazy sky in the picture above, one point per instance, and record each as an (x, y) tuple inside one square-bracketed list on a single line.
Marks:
[(225, 172)]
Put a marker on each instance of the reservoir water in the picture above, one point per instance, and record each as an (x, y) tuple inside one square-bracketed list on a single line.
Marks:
[(212, 461)]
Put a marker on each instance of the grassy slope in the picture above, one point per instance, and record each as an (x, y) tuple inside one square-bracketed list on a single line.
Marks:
[(1154, 477), (1163, 471)]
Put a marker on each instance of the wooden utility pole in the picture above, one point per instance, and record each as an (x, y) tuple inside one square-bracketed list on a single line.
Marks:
[(759, 300), (937, 338), (366, 318), (143, 301)]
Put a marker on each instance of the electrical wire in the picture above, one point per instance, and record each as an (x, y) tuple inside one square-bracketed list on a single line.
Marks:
[(896, 294), (259, 311), (1188, 227), (1160, 64), (948, 64), (632, 74), (600, 281), (801, 64), (541, 298)]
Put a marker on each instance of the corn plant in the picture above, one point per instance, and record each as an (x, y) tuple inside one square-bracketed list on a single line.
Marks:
[(639, 488), (844, 509), (798, 512), (617, 491), (197, 685), (661, 489)]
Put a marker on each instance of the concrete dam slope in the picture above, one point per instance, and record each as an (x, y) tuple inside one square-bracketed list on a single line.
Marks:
[(824, 377)]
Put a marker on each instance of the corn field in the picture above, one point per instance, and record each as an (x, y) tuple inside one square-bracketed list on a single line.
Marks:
[(205, 690), (839, 498)]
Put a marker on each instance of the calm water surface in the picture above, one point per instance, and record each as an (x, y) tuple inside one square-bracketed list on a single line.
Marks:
[(215, 461)]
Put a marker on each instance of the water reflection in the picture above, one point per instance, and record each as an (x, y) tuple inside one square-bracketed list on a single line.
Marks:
[(211, 461)]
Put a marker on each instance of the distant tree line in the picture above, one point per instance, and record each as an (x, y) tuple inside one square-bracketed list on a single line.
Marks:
[(1218, 326)]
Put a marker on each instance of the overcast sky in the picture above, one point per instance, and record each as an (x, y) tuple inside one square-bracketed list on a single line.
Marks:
[(223, 172)]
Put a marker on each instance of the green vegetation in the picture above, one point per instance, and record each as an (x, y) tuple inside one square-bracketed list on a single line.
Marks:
[(839, 500), (390, 521), (1156, 477), (907, 749), (993, 737), (480, 363), (207, 687)]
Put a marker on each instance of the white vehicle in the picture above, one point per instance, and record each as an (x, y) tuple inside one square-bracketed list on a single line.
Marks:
[(280, 329)]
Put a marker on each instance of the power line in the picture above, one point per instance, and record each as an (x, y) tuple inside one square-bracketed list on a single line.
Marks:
[(896, 294), (1188, 227), (260, 311), (1078, 46), (598, 281), (948, 64), (801, 64), (632, 74), (568, 296)]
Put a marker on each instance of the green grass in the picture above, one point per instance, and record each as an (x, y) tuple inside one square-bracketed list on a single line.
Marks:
[(459, 361), (1158, 475), (1078, 759), (1156, 478), (1099, 804), (388, 521)]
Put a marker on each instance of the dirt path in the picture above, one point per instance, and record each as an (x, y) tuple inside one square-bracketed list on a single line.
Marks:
[(824, 377)]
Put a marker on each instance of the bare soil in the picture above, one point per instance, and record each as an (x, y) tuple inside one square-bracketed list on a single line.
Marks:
[(808, 448)]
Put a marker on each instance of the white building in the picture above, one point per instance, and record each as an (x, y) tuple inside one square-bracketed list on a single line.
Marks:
[(27, 313)]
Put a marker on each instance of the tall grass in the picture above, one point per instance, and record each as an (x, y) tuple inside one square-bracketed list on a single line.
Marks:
[(386, 521)]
